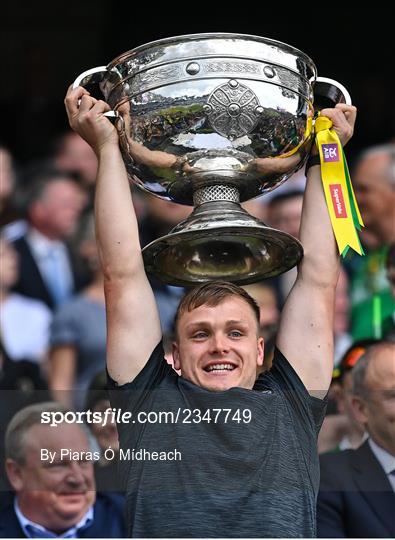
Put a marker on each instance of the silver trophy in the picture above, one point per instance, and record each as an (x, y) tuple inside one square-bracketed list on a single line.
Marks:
[(213, 120)]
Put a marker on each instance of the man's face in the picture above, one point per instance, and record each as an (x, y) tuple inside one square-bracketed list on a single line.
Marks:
[(55, 495), (344, 401), (77, 156), (375, 195), (377, 410), (60, 208), (218, 347), (286, 215), (6, 174)]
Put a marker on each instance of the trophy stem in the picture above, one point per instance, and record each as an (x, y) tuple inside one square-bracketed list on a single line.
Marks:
[(216, 193)]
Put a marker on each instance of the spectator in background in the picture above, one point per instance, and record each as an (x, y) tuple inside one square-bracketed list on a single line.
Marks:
[(269, 318), (7, 184), (373, 178), (55, 499), (257, 207), (78, 333), (340, 429), (341, 320), (265, 297), (73, 155), (24, 336), (106, 470), (17, 310), (12, 219), (48, 271), (356, 498), (284, 213), (389, 323), (390, 267)]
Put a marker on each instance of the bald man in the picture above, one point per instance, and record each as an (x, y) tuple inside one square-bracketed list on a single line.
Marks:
[(356, 497)]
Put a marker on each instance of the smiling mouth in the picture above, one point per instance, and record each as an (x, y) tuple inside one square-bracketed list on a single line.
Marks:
[(219, 368)]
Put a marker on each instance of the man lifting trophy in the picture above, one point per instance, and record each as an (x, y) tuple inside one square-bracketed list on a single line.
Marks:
[(212, 120)]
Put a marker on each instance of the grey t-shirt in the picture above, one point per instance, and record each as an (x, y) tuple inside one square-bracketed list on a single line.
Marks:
[(238, 478)]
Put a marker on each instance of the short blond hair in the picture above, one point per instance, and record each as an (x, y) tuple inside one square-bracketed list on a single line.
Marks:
[(212, 294)]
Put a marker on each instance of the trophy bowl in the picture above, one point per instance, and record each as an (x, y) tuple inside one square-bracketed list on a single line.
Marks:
[(213, 120)]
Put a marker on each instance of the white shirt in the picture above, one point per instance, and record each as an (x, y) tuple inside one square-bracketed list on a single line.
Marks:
[(386, 460), (43, 249), (29, 526), (25, 324), (345, 443)]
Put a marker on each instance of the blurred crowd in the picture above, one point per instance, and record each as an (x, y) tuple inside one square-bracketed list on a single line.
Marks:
[(53, 324)]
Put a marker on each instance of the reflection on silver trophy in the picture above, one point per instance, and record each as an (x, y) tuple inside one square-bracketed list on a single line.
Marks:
[(213, 120)]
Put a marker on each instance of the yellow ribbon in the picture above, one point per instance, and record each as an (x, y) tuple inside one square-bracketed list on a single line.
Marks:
[(339, 194)]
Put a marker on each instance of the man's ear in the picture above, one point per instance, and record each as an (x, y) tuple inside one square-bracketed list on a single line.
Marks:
[(261, 352), (176, 355), (14, 474), (359, 409)]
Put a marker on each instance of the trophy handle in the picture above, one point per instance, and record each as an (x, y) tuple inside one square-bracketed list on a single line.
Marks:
[(328, 92), (94, 76)]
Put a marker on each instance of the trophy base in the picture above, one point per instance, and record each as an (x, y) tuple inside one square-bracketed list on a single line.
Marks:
[(220, 240)]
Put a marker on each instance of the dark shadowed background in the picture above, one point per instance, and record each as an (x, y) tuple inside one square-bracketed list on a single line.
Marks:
[(44, 46)]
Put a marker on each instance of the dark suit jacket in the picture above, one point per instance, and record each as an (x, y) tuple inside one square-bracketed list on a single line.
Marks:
[(355, 498), (30, 282), (108, 519)]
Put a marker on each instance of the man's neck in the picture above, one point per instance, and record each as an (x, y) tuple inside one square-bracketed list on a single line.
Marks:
[(356, 436), (4, 294), (46, 232)]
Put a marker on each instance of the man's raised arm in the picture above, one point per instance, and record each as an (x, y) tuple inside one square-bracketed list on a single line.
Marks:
[(306, 330), (133, 325)]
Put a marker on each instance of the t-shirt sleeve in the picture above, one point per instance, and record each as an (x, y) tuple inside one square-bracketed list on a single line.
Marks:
[(283, 378), (64, 327), (134, 395)]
